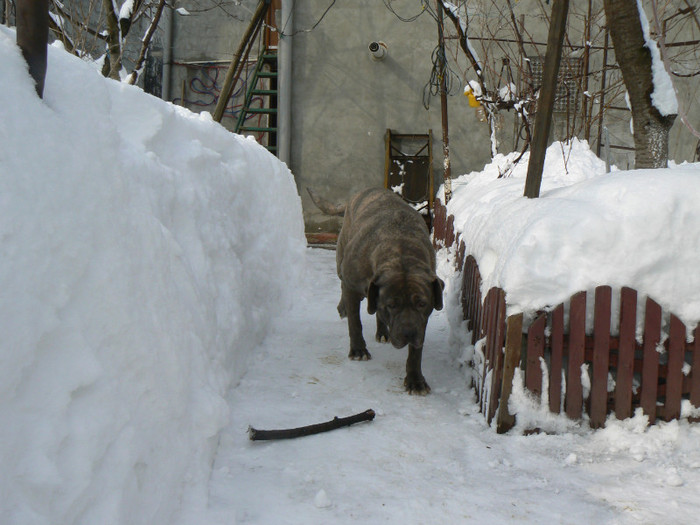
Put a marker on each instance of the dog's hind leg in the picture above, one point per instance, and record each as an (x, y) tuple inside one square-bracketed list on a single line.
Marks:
[(358, 348)]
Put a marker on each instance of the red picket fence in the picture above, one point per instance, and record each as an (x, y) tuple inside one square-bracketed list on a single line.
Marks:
[(561, 348)]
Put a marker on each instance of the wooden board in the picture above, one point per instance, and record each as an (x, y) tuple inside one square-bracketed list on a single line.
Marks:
[(577, 346), (497, 349), (557, 359), (650, 365), (535, 354), (674, 375), (628, 344), (695, 370), (601, 351), (514, 334)]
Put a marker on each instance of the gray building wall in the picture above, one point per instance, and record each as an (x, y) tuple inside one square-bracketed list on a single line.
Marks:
[(343, 101)]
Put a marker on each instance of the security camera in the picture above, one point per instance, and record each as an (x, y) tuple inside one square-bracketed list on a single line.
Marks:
[(378, 50)]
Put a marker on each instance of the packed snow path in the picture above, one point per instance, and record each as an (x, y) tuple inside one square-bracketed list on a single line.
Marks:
[(423, 459)]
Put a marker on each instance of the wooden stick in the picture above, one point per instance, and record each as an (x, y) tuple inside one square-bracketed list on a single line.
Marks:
[(289, 433)]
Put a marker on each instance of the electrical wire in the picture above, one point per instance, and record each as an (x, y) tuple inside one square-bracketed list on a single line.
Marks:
[(387, 4), (282, 33), (433, 86)]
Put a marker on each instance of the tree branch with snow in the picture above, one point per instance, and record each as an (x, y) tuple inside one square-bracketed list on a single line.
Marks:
[(492, 100), (146, 41)]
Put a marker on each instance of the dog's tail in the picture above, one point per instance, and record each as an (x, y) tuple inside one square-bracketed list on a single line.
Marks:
[(326, 206)]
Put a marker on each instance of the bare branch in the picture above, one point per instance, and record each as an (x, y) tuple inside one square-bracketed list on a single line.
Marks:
[(146, 41), (289, 433)]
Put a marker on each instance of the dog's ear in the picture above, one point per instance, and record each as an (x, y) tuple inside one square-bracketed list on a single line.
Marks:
[(438, 287), (372, 294)]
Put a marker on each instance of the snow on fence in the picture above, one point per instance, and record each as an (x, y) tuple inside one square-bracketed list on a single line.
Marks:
[(599, 371)]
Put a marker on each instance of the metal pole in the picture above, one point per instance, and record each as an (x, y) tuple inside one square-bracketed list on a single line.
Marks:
[(586, 72), (447, 169), (167, 55), (603, 87), (606, 140), (285, 82), (545, 103)]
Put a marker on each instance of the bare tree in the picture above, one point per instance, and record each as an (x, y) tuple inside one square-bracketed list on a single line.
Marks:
[(101, 27), (504, 43), (652, 120)]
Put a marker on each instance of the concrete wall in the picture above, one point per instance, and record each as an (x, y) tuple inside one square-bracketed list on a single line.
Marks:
[(343, 101)]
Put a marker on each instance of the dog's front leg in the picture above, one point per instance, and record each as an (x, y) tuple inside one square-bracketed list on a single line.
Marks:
[(382, 331), (358, 348), (415, 382)]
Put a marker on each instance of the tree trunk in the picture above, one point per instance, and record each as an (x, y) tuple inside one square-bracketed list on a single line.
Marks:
[(113, 60), (32, 38), (545, 104), (651, 128)]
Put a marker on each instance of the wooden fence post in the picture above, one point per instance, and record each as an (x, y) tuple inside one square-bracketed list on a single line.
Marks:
[(497, 347), (535, 352), (514, 336), (695, 370), (557, 361), (674, 375), (577, 347), (650, 366), (625, 361), (601, 356)]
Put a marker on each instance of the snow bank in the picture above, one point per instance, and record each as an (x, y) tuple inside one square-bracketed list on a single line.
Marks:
[(634, 228), (144, 251)]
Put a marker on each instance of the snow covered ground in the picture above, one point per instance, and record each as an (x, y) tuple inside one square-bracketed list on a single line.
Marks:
[(426, 459), (154, 303)]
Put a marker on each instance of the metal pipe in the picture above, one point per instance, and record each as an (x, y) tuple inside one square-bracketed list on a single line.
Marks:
[(601, 102), (284, 115), (447, 169), (167, 54)]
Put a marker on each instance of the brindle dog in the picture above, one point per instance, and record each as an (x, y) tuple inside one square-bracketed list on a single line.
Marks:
[(384, 253)]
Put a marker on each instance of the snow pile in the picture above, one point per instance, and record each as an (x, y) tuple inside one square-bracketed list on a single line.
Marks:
[(144, 251), (636, 228)]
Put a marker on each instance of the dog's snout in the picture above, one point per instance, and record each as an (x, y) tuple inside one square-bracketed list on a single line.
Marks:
[(409, 333)]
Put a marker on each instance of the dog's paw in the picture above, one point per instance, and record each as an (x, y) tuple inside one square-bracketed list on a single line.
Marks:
[(382, 334), (416, 386), (341, 310), (359, 354)]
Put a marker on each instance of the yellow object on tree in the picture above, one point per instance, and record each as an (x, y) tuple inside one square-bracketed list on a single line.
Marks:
[(471, 98)]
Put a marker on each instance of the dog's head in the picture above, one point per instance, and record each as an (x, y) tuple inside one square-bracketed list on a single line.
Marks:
[(404, 303)]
